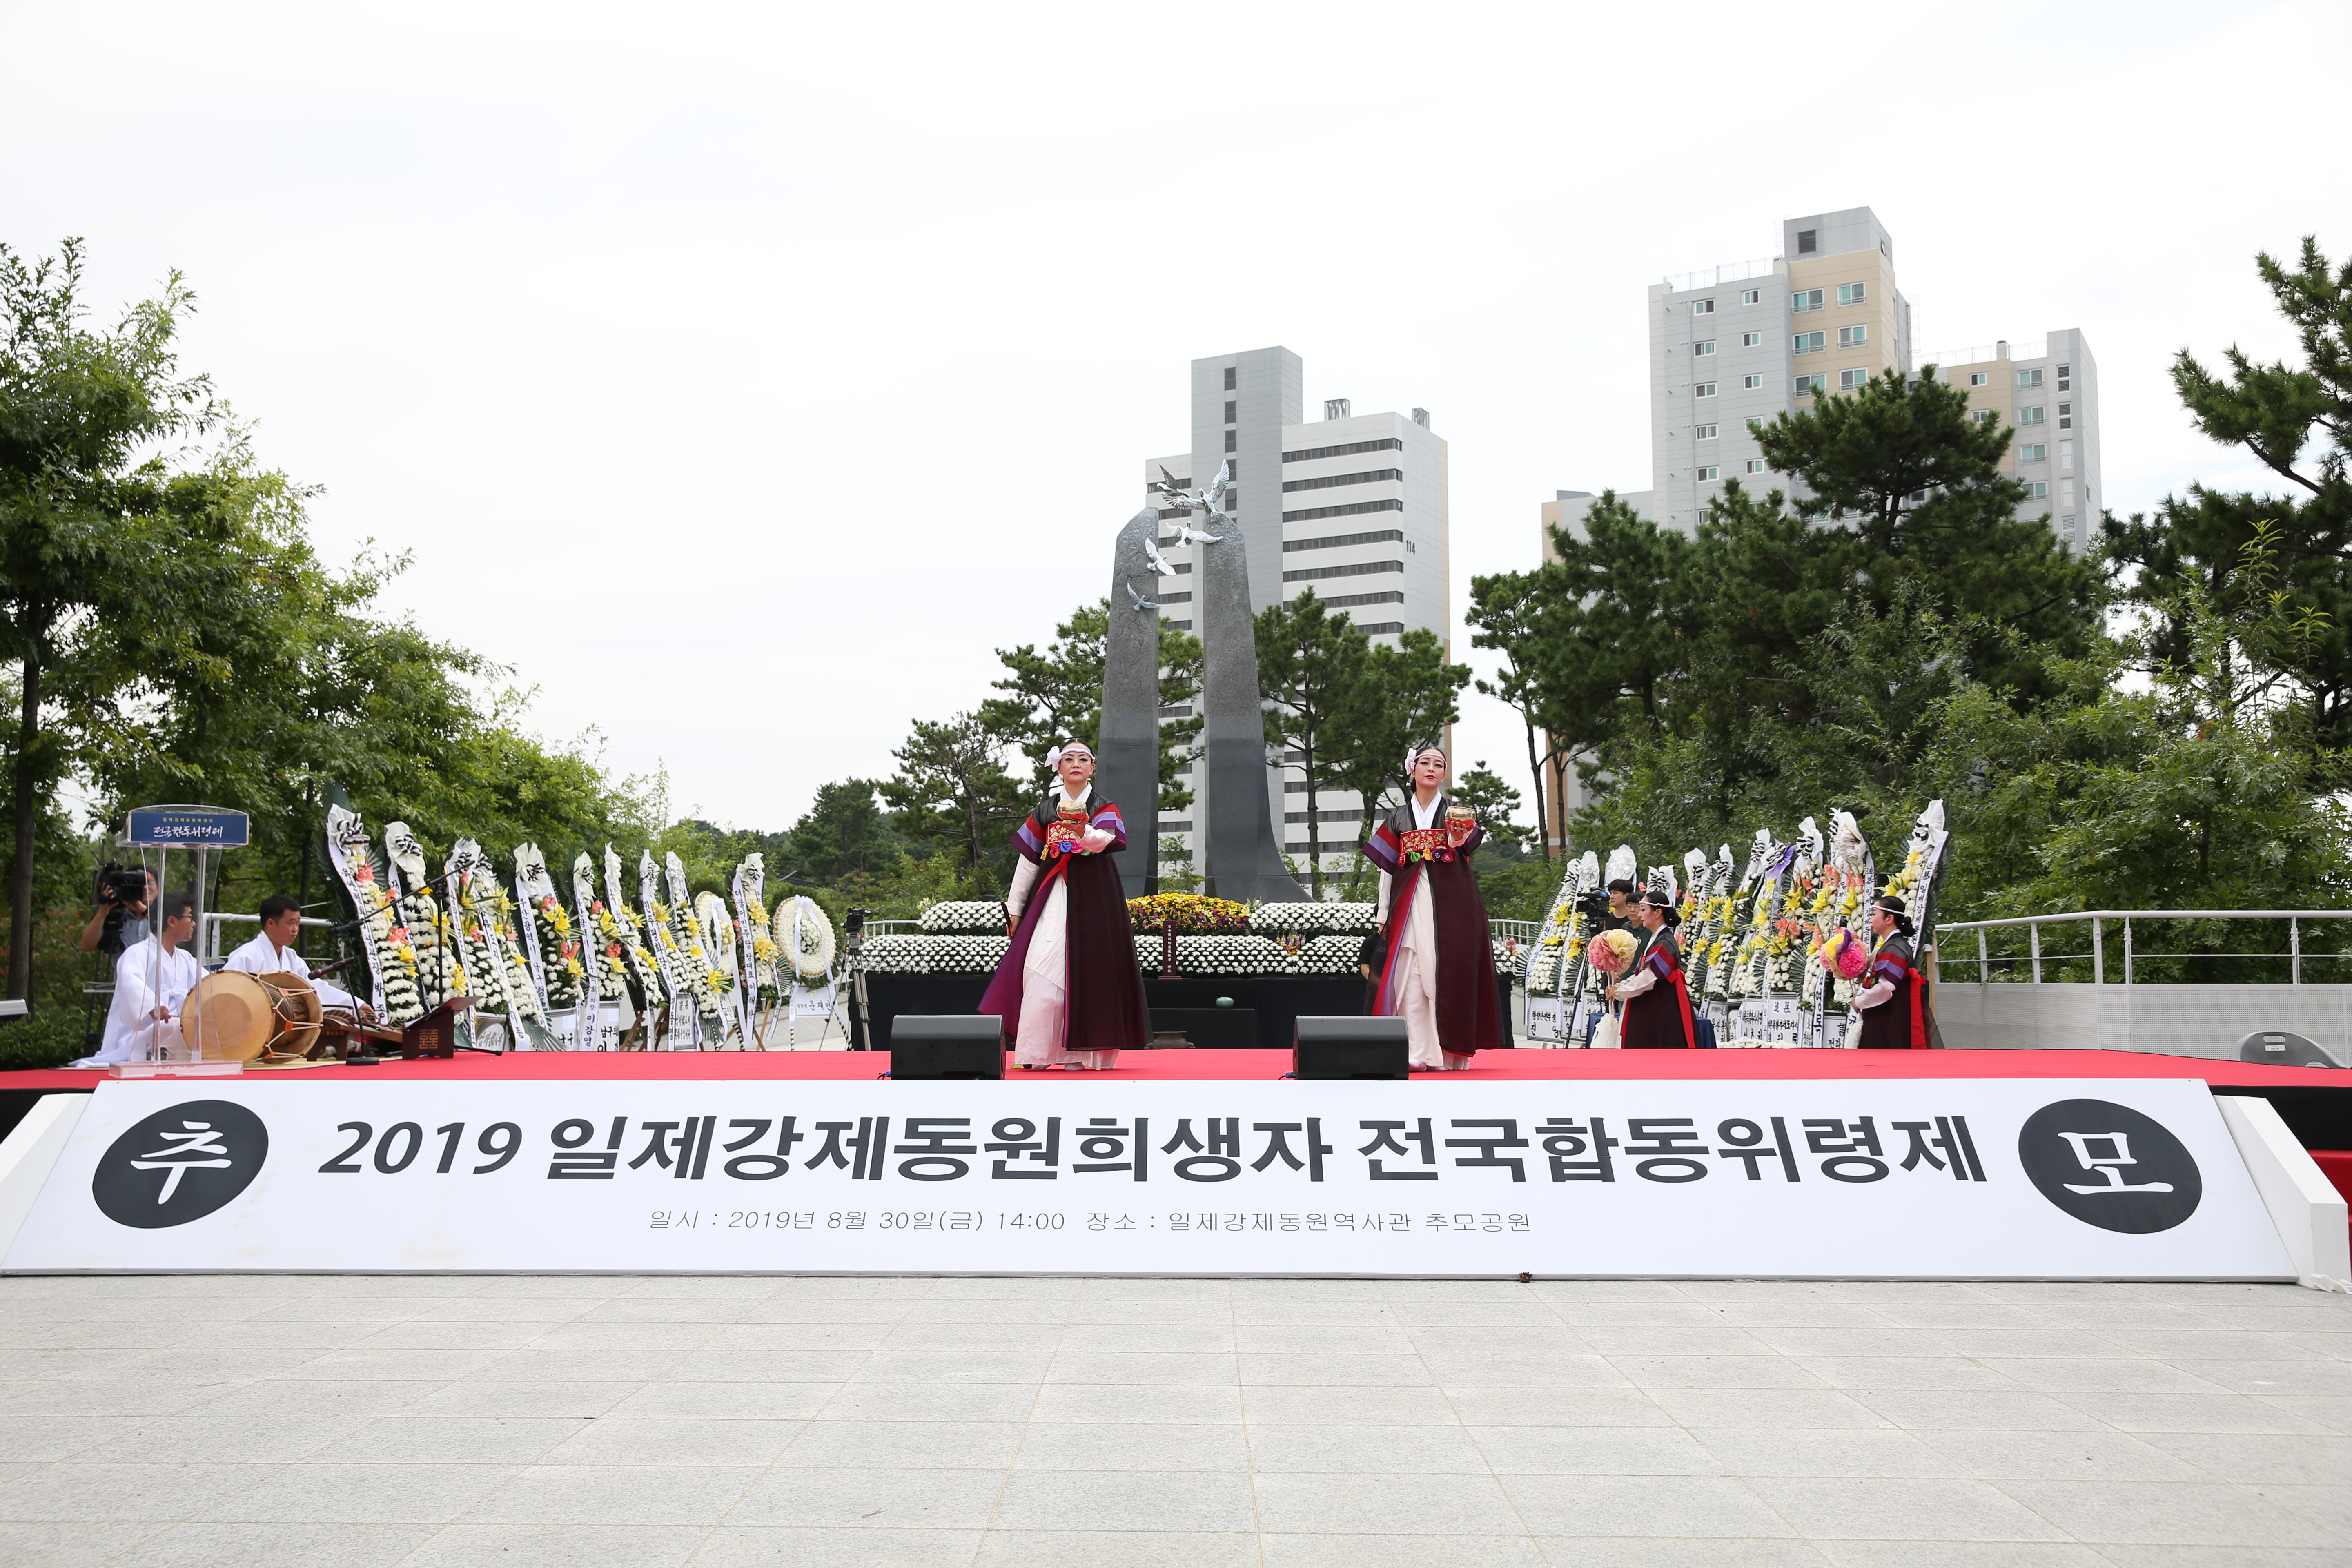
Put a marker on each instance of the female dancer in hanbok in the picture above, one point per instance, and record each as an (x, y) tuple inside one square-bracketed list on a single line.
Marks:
[(1658, 1001), (1895, 1004), (1069, 984), (1439, 975)]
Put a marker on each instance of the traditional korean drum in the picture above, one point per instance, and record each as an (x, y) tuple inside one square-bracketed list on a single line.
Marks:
[(236, 1018)]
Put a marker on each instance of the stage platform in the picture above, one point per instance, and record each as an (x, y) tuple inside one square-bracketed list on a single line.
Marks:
[(1256, 1066)]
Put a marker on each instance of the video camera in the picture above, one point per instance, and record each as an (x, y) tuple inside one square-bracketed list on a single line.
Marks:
[(1593, 906), (120, 884)]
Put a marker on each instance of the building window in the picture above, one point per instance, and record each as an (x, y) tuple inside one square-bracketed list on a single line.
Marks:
[(1229, 378), (2030, 377), (1354, 569), (1710, 472), (1755, 465), (1751, 340), (1331, 481), (1809, 384), (1707, 347), (1749, 295), (1702, 307), (2037, 453), (1809, 342), (1852, 379), (2065, 415), (1704, 389), (1808, 241), (1978, 378), (1352, 509), (2067, 524), (2038, 491), (1334, 541), (1805, 299), (1752, 382), (2030, 416), (1853, 337), (1348, 450), (2065, 378), (1852, 293), (1703, 432), (2066, 456), (1230, 436), (1230, 407), (1978, 416)]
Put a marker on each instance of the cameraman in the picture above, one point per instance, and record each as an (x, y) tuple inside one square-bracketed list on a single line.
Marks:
[(121, 920)]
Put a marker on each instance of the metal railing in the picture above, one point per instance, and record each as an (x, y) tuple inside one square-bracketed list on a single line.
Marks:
[(209, 945), (1729, 272), (1523, 931), (2097, 954)]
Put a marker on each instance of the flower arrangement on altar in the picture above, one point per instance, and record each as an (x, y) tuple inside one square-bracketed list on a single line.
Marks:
[(934, 954), (1309, 919), (961, 917), (1195, 915)]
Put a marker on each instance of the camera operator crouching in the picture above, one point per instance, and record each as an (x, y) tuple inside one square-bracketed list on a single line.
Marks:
[(122, 895)]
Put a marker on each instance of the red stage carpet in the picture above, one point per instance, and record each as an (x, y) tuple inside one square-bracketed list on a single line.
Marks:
[(1487, 1067)]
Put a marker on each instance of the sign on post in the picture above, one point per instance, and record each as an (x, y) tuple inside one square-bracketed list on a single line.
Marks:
[(185, 827)]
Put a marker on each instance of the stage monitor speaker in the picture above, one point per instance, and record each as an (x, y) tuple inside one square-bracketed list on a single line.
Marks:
[(1349, 1047), (947, 1045)]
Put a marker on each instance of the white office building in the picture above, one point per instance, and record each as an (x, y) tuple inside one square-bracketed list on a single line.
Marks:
[(1351, 506)]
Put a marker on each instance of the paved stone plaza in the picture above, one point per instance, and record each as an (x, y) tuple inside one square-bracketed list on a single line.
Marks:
[(266, 1420)]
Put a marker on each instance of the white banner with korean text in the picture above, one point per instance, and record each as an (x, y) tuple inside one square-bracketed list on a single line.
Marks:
[(2017, 1178)]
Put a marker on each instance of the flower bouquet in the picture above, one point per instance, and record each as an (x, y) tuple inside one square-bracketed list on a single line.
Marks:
[(1195, 915), (1310, 920), (1610, 951)]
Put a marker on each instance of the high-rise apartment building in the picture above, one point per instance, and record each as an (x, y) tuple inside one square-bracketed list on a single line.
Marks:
[(1352, 506), (1751, 341)]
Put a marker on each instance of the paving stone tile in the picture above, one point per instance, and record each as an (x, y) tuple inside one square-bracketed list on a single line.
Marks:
[(1918, 1373), (2329, 1506), (1154, 1367), (78, 1544), (630, 1337), (871, 1500), (1816, 1311), (1813, 1407), (1694, 1341), (765, 1366), (1127, 1548), (738, 1287), (36, 1439), (210, 1545), (1488, 1406), (1328, 1406), (1960, 1554), (1586, 1451), (985, 1337), (505, 1401), (1333, 1370), (557, 1546), (723, 1402), (1714, 1372), (362, 1494), (954, 1366), (226, 1439), (2112, 1374), (1372, 1503), (1404, 1449), (1853, 1508), (2168, 1513), (1624, 1551), (1402, 1552), (1005, 1315), (941, 1402), (2307, 1377), (2260, 1458), (616, 1494), (616, 1441), (2333, 1410), (2100, 1456), (1158, 1445), (74, 1491), (1539, 1368), (1648, 1315), (1970, 1411), (1178, 1338), (784, 1546), (2189, 1412), (1699, 1507), (1325, 1338), (361, 1365), (716, 1310), (902, 1446), (443, 1336), (1790, 1451), (1846, 1342)]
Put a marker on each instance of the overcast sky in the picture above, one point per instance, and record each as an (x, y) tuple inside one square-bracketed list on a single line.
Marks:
[(744, 375)]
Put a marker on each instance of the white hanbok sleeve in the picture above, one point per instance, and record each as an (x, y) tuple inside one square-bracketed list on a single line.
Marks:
[(1634, 985), (1382, 914), (1025, 879)]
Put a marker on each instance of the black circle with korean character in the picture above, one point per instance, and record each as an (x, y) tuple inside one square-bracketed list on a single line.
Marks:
[(2109, 1166), (180, 1164)]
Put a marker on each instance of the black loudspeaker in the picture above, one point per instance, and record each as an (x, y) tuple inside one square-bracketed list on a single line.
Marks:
[(1349, 1047), (947, 1045)]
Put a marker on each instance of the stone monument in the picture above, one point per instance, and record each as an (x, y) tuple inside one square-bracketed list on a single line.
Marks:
[(1127, 761)]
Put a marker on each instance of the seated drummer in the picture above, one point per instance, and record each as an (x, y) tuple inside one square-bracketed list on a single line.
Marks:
[(272, 953)]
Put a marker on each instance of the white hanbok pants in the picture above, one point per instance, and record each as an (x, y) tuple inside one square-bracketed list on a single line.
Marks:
[(1415, 988), (1045, 993)]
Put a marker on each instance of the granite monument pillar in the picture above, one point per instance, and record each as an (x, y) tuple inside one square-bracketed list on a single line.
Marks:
[(1127, 757)]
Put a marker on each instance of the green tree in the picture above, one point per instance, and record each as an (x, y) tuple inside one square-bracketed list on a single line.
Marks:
[(1310, 667), (89, 577), (1518, 615), (1056, 695), (952, 787), (845, 834), (1493, 802), (1408, 694)]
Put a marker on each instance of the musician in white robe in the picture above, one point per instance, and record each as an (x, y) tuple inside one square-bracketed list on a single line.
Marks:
[(272, 953), (150, 979)]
